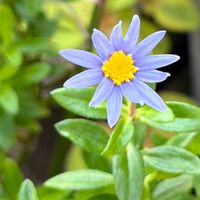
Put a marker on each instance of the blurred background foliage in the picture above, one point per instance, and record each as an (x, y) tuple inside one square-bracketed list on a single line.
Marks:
[(31, 34)]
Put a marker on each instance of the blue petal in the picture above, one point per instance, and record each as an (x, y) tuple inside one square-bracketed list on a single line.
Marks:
[(150, 97), (153, 76), (84, 79), (147, 45), (114, 105), (116, 38), (129, 91), (102, 92), (82, 58), (152, 62), (102, 44), (132, 35)]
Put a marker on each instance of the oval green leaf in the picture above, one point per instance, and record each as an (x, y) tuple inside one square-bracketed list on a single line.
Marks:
[(27, 191), (80, 180), (187, 118), (89, 135), (172, 159), (32, 74), (9, 99), (128, 171), (77, 101), (172, 187), (147, 113), (179, 15)]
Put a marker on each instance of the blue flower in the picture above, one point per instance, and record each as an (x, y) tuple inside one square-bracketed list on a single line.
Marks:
[(122, 68)]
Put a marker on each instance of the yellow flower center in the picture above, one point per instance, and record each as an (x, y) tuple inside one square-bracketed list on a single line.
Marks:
[(119, 68)]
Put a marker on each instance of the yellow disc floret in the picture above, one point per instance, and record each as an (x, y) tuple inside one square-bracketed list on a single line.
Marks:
[(119, 68)]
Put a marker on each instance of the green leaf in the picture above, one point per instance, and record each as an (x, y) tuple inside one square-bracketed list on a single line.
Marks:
[(44, 26), (189, 141), (118, 5), (7, 23), (13, 60), (6, 131), (96, 161), (184, 110), (139, 135), (104, 197), (179, 125), (193, 146), (89, 135), (8, 99), (146, 113), (7, 71), (128, 171), (197, 184), (87, 194), (77, 101), (45, 193), (32, 74), (29, 101), (172, 159), (11, 177), (120, 137), (13, 57), (169, 188), (31, 45), (80, 180), (185, 121), (27, 191), (69, 26), (179, 15), (28, 9), (182, 140)]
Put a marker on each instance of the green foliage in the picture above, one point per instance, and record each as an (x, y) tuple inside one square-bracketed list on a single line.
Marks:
[(27, 191), (179, 15), (80, 180), (172, 159), (6, 131), (187, 118), (173, 187), (8, 99), (104, 197), (45, 193), (7, 26), (32, 74), (96, 161), (128, 169), (125, 163), (24, 64), (120, 137), (94, 138), (77, 101), (10, 173), (146, 113), (140, 133), (119, 5)]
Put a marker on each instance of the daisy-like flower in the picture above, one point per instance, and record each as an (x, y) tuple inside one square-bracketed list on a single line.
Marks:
[(122, 68)]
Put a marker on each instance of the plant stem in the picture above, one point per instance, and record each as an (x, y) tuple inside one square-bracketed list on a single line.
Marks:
[(132, 110)]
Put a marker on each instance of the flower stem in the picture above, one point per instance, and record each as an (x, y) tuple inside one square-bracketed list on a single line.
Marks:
[(132, 110)]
